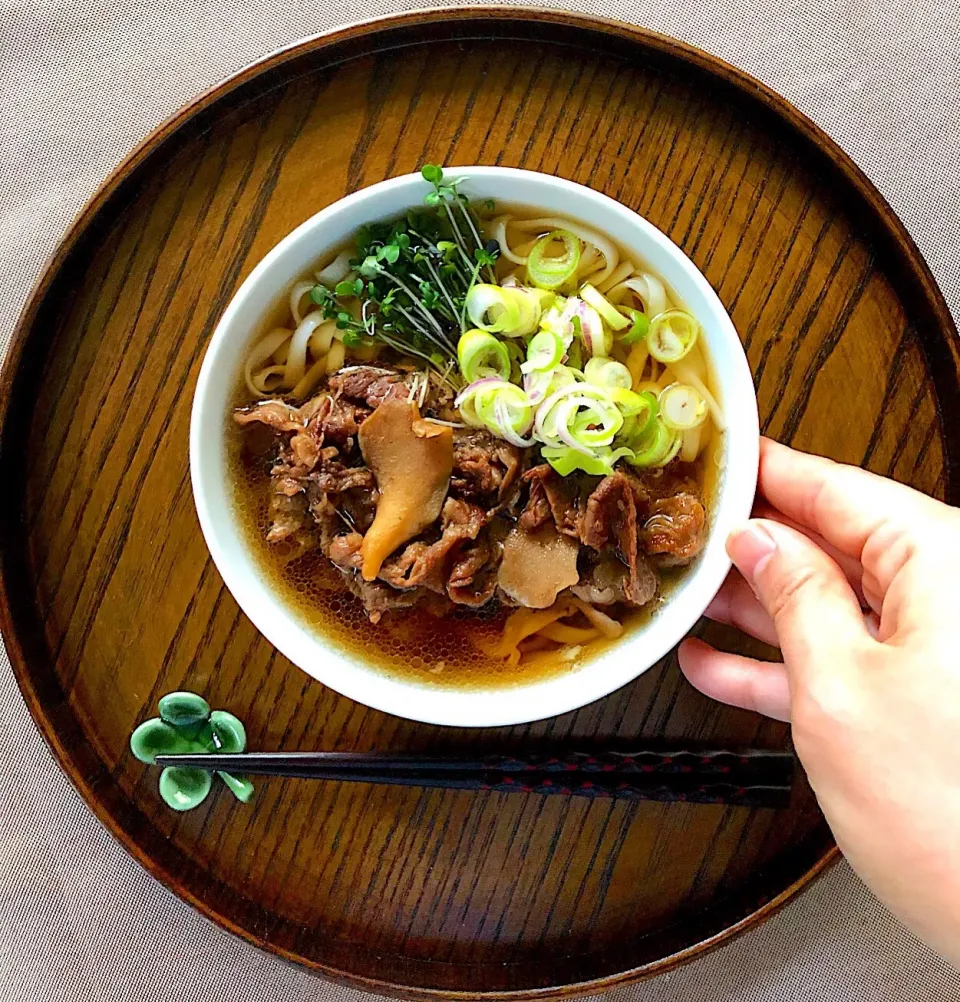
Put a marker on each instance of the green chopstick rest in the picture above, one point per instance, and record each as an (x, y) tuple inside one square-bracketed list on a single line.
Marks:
[(187, 725)]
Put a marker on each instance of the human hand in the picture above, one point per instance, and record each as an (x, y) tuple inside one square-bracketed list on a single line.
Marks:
[(857, 580)]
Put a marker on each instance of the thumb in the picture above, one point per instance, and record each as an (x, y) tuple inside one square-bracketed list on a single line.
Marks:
[(814, 610)]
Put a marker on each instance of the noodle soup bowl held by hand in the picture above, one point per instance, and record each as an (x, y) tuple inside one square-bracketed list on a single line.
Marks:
[(515, 528)]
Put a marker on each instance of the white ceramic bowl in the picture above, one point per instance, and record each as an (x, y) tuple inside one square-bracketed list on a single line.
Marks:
[(296, 256)]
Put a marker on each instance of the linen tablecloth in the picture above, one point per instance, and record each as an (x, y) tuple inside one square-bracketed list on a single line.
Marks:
[(81, 83)]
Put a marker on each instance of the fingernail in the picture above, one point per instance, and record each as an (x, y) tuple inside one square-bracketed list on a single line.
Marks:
[(750, 548)]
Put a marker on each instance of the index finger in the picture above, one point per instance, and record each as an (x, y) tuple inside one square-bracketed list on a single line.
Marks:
[(843, 504)]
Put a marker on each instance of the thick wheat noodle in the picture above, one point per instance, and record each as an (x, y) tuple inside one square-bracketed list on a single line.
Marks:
[(536, 643), (524, 623), (267, 381), (637, 360), (694, 360), (685, 373), (651, 292), (261, 352), (591, 260), (297, 355), (623, 271), (564, 634), (336, 271), (296, 298), (311, 379), (321, 339), (690, 448), (499, 233), (336, 356), (607, 626)]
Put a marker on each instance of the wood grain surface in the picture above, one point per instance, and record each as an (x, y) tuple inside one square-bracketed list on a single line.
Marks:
[(110, 598)]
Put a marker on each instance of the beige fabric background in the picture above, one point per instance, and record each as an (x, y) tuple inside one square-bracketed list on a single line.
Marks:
[(81, 82)]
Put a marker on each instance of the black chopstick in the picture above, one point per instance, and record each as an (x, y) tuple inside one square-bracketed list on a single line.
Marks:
[(750, 777)]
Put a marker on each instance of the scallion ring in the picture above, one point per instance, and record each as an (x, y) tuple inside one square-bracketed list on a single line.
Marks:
[(671, 335), (653, 448), (544, 352), (600, 463), (639, 328), (682, 407), (607, 374), (551, 271), (481, 354)]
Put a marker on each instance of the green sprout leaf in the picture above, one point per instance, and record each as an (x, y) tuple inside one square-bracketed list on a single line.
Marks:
[(320, 295), (432, 173)]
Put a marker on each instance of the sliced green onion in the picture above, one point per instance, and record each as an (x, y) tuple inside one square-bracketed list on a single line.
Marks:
[(657, 447), (509, 311), (528, 304), (578, 416), (539, 385), (607, 374), (671, 335), (583, 421), (682, 407), (604, 307), (685, 372), (565, 460), (489, 309), (639, 411), (633, 404), (551, 272), (481, 354), (641, 324), (588, 327), (517, 355), (501, 407), (546, 425), (544, 352), (671, 453)]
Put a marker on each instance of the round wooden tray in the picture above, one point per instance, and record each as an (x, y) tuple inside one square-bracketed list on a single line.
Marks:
[(110, 598)]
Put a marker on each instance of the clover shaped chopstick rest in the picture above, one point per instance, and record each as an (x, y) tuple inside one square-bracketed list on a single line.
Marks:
[(187, 725)]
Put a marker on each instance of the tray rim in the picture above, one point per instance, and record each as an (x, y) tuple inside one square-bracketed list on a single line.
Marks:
[(752, 88)]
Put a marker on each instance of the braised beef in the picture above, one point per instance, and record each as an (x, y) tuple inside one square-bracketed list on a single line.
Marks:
[(608, 581), (484, 467), (378, 597), (428, 564), (344, 550), (342, 422), (334, 478), (473, 577), (288, 514), (675, 531), (611, 520), (494, 532), (562, 496), (274, 413), (370, 384)]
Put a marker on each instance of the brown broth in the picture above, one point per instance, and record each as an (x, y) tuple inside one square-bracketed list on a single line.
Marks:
[(447, 651)]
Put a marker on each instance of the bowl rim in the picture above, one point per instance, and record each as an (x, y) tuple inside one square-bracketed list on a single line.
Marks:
[(554, 694)]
